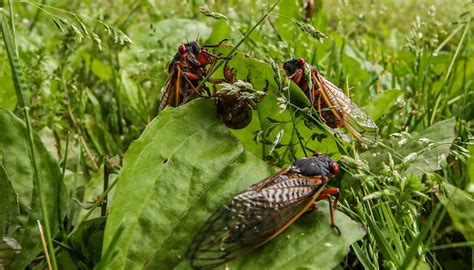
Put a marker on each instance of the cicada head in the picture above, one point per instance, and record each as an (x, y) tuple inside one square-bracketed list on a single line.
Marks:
[(193, 47), (318, 164), (293, 65)]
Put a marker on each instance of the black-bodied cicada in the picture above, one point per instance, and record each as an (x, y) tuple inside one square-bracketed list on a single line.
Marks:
[(186, 71), (258, 214), (333, 106)]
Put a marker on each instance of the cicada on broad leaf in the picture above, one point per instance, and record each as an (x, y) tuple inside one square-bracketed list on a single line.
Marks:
[(258, 214), (334, 107), (186, 71)]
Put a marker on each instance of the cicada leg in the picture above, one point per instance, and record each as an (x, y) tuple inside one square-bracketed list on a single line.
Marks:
[(326, 194), (188, 76), (297, 76), (215, 45), (319, 108)]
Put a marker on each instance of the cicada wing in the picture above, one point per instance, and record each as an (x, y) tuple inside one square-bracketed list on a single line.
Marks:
[(355, 120), (251, 219), (171, 92)]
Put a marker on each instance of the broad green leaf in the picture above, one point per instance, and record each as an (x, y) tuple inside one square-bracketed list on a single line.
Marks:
[(9, 208), (425, 159), (170, 177), (7, 92), (177, 174), (382, 103), (9, 250), (86, 241), (17, 166), (459, 205), (220, 31)]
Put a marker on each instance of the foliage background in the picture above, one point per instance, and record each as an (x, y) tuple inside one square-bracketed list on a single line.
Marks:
[(93, 92)]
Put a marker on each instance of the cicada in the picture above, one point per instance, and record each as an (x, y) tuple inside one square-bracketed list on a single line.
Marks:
[(333, 106), (236, 99), (186, 71), (260, 213)]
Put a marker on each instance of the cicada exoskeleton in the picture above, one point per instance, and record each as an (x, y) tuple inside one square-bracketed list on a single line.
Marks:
[(236, 99), (333, 106), (186, 71), (258, 214)]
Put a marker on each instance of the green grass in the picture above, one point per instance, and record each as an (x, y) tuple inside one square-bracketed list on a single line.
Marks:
[(93, 74)]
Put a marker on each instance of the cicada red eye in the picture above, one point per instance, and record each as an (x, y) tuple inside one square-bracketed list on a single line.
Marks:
[(301, 61), (182, 49), (316, 153), (335, 168)]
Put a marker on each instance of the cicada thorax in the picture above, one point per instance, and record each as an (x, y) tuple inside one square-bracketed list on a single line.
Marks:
[(260, 213)]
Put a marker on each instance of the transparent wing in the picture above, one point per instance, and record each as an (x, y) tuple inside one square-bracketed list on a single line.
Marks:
[(355, 120), (252, 218)]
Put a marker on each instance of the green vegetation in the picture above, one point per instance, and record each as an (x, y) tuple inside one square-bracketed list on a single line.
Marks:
[(89, 165)]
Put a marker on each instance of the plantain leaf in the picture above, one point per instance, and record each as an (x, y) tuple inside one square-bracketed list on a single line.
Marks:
[(9, 208), (185, 165), (16, 163)]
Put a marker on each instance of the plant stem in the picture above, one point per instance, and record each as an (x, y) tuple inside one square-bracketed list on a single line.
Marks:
[(103, 210), (94, 206)]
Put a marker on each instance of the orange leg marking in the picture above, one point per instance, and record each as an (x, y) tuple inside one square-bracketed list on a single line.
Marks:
[(191, 76), (326, 194), (297, 76), (319, 107)]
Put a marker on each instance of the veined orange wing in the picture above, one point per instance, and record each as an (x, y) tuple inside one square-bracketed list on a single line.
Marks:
[(359, 124), (253, 217)]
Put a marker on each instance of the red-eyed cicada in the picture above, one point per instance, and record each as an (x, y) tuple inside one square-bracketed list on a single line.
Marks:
[(258, 214), (186, 71), (334, 107)]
